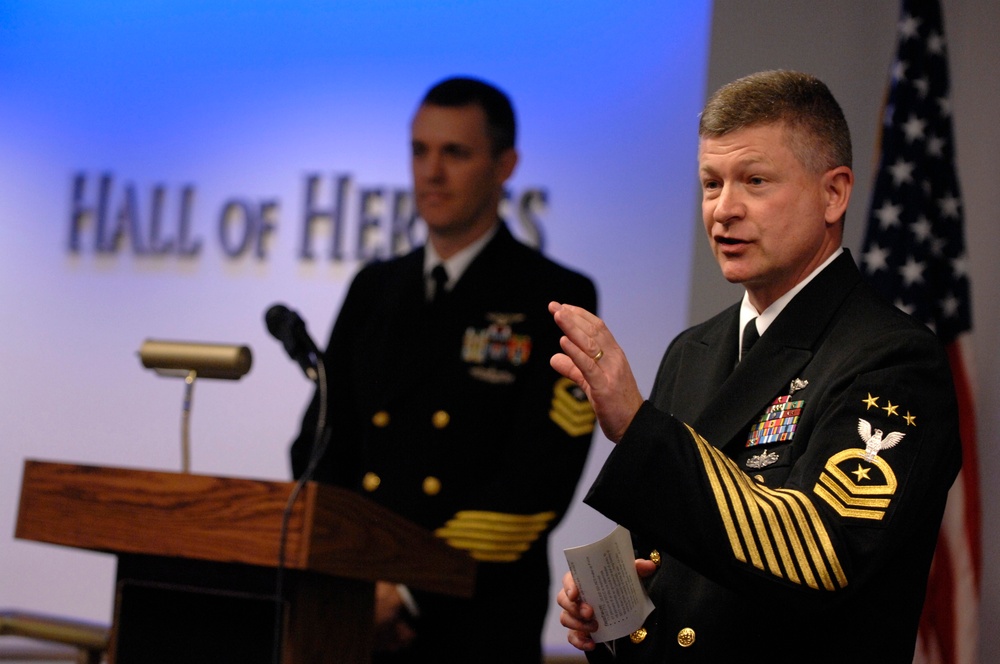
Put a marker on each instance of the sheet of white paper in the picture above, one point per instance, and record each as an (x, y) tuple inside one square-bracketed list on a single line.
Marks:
[(605, 573)]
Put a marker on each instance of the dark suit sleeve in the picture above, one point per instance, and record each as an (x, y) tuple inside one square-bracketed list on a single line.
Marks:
[(825, 520)]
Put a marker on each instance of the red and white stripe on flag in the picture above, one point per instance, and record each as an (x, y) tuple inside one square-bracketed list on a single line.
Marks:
[(914, 254), (949, 630)]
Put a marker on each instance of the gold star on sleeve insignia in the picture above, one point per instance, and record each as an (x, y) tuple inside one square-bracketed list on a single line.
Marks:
[(911, 420), (890, 409), (871, 401), (862, 473)]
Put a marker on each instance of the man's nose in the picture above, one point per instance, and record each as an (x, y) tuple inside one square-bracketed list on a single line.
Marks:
[(728, 205), (433, 167)]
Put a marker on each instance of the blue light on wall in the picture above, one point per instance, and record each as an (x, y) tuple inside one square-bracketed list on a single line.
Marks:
[(246, 101)]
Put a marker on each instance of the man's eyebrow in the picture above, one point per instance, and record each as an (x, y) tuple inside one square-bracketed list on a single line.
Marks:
[(452, 146), (749, 160)]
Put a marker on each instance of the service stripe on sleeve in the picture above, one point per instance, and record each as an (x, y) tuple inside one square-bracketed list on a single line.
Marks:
[(775, 530)]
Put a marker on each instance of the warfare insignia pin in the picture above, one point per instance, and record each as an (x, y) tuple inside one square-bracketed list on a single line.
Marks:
[(505, 319), (797, 384), (763, 460)]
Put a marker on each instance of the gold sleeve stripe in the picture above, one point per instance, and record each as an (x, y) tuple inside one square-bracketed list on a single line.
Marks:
[(494, 556), (487, 546), (543, 518), (836, 503), (497, 536), (824, 537), (494, 536), (812, 529), (722, 484), (776, 530), (571, 426), (847, 499), (781, 522), (759, 510), (770, 505), (792, 523), (571, 411)]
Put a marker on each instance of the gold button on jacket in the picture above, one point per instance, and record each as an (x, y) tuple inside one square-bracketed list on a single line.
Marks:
[(440, 419), (432, 485), (371, 481)]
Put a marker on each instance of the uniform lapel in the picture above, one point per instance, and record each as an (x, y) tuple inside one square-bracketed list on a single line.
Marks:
[(404, 300), (780, 355), (705, 364)]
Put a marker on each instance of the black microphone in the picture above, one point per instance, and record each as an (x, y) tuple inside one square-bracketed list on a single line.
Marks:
[(287, 327)]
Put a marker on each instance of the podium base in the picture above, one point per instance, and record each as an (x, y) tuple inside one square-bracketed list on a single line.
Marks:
[(170, 610)]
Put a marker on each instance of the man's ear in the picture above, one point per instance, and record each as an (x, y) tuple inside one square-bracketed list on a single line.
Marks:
[(506, 162), (837, 185)]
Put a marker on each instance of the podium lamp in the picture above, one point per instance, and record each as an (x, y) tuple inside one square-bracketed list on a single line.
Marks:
[(192, 360)]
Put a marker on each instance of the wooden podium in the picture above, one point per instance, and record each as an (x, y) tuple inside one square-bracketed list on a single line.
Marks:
[(198, 561)]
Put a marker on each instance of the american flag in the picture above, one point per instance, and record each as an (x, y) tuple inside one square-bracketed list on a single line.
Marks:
[(914, 253)]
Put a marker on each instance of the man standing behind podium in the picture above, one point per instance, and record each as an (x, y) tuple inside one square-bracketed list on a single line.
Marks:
[(442, 404)]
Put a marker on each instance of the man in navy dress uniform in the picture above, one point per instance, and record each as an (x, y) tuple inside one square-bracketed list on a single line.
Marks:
[(785, 481), (442, 404)]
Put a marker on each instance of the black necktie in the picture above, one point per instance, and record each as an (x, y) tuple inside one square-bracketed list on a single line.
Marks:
[(750, 337), (440, 277)]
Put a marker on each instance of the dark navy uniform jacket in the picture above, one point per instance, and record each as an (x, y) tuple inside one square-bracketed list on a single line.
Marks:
[(795, 500), (452, 417)]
